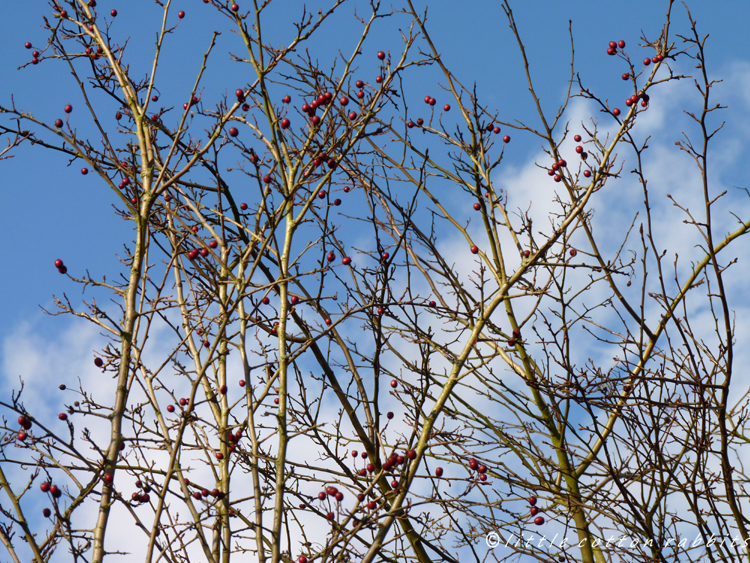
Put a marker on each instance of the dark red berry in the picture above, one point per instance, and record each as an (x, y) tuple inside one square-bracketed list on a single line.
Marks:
[(381, 55), (474, 249)]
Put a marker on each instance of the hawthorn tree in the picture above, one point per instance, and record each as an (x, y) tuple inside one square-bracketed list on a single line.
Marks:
[(314, 356)]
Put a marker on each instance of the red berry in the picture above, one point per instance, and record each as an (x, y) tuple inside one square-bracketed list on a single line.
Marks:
[(193, 254), (302, 559), (446, 107), (539, 520), (616, 112), (506, 139), (482, 476), (390, 415), (534, 511), (98, 362), (58, 123), (587, 173), (359, 84), (344, 100), (27, 45), (329, 322), (285, 123), (482, 469), (613, 44), (213, 244), (646, 61), (113, 13), (58, 264), (196, 495), (352, 115), (394, 383), (315, 120), (243, 206), (381, 55), (371, 505), (45, 486), (433, 101), (63, 269), (180, 14), (573, 252), (266, 301), (577, 138), (532, 501), (439, 472), (235, 7), (477, 206), (411, 454), (46, 512), (579, 149), (242, 382), (474, 249), (219, 456), (378, 79), (62, 416), (233, 132), (170, 408), (154, 98), (21, 436), (287, 99), (611, 51), (346, 261), (621, 44), (473, 463), (267, 178)]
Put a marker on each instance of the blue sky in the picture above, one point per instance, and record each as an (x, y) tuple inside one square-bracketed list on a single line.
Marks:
[(50, 211)]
